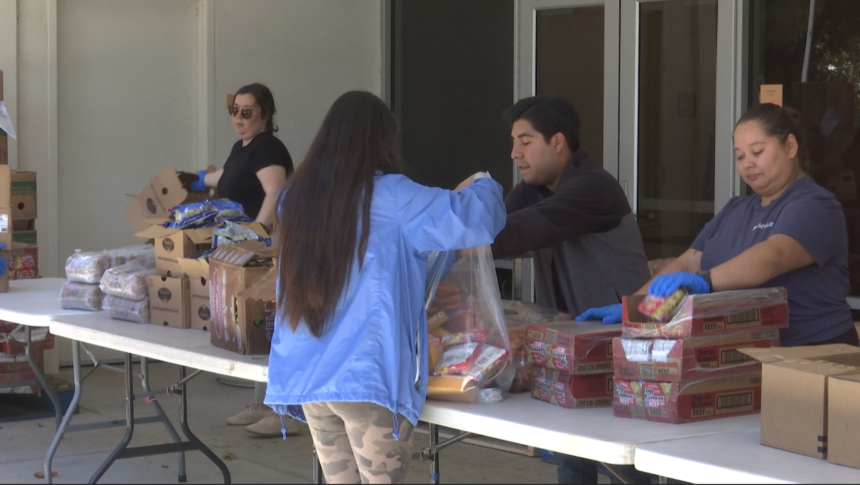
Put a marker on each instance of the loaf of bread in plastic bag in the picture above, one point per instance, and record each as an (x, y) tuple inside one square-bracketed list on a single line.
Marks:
[(87, 267), (129, 280), (123, 309), (81, 296)]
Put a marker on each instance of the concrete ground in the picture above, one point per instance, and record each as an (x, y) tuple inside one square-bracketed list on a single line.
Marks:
[(250, 459)]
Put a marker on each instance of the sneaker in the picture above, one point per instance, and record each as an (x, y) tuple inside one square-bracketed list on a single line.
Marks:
[(271, 426), (250, 415)]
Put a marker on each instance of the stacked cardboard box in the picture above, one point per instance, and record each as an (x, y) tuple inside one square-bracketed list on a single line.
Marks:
[(4, 139), (692, 367), (14, 366), (573, 363)]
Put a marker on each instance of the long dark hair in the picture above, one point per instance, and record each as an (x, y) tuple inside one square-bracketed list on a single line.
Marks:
[(264, 98), (780, 122), (325, 203)]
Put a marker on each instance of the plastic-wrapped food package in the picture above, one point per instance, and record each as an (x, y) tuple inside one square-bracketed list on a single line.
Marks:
[(519, 356), (81, 296), (572, 391), (87, 267), (228, 232), (662, 308), (464, 314), (575, 347), (687, 401), (123, 309), (674, 360), (710, 314), (528, 312), (129, 280), (120, 256)]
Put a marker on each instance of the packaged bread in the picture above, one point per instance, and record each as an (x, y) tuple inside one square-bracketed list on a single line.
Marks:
[(81, 296), (128, 280), (87, 267), (120, 256), (123, 309)]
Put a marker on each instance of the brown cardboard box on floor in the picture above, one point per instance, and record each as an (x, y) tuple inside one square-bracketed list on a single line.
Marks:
[(257, 307), (233, 268), (197, 271), (710, 314), (675, 360), (794, 394), (843, 420), (168, 301)]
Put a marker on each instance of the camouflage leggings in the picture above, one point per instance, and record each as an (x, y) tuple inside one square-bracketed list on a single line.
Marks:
[(355, 443)]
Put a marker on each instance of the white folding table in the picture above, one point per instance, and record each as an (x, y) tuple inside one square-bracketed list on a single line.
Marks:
[(736, 457), (34, 303), (183, 347), (595, 433)]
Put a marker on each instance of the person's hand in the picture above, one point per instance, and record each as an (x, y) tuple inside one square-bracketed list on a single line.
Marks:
[(609, 314), (199, 185), (665, 285), (4, 265)]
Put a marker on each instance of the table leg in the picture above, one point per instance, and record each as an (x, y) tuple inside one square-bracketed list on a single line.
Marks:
[(58, 411), (434, 453), (129, 423), (621, 476), (183, 421), (76, 398), (318, 474), (144, 381)]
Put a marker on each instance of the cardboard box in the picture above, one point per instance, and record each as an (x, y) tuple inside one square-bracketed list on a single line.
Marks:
[(770, 93), (4, 140), (168, 301), (26, 237), (163, 191), (233, 268), (197, 272), (575, 347), (40, 338), (668, 360), (710, 314), (683, 402), (23, 195), (171, 245), (23, 261), (257, 308), (794, 403), (570, 390), (843, 420)]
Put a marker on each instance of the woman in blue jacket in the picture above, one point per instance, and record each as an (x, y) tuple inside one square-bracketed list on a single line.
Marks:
[(350, 341)]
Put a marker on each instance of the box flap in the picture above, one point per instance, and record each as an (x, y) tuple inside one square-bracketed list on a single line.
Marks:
[(202, 235), (241, 253), (264, 289), (160, 194), (155, 231), (194, 268), (775, 354)]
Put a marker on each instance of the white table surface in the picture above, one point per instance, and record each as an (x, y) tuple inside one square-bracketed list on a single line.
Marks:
[(737, 457), (187, 347), (590, 433), (34, 302)]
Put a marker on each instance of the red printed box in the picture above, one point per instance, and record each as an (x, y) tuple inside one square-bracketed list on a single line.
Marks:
[(572, 391), (40, 338), (684, 402), (710, 314), (575, 347), (668, 360)]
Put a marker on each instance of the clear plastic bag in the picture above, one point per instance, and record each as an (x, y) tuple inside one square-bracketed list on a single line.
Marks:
[(87, 267), (518, 315), (120, 256), (81, 296), (123, 309), (129, 280), (465, 315)]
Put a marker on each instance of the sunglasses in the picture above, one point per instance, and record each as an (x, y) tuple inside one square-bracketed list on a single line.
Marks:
[(244, 112)]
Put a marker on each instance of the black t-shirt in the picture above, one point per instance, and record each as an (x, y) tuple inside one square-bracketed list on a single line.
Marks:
[(239, 181)]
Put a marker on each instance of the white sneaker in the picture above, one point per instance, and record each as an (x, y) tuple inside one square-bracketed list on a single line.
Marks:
[(271, 425), (250, 415)]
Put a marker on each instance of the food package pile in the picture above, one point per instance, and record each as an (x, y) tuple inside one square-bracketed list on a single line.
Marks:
[(92, 275), (469, 350), (572, 362), (518, 315), (224, 216), (678, 357)]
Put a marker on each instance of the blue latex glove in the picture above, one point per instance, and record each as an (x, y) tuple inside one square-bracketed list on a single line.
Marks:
[(4, 265), (609, 314), (665, 285), (199, 185)]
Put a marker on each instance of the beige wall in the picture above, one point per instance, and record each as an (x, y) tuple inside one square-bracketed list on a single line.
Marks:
[(104, 93)]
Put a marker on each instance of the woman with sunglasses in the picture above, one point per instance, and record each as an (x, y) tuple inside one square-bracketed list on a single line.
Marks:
[(349, 351), (257, 167), (258, 163)]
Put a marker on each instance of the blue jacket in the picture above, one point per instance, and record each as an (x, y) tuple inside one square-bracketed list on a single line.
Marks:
[(376, 347)]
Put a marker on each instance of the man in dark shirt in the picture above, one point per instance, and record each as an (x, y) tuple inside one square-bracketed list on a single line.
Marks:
[(575, 218)]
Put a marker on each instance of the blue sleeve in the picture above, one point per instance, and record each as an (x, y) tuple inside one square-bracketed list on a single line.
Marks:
[(817, 223), (435, 219)]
